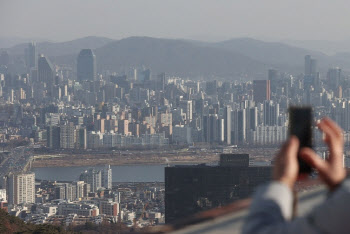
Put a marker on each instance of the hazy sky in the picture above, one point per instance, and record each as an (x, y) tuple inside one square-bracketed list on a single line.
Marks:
[(61, 20)]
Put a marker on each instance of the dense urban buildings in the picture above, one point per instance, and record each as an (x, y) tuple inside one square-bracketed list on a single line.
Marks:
[(51, 109)]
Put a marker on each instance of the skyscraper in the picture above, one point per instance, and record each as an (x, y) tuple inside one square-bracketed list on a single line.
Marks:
[(273, 77), (334, 77), (21, 188), (261, 90), (67, 136), (86, 65), (30, 56), (46, 71), (310, 66)]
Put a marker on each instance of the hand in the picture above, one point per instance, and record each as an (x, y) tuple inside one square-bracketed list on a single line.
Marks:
[(286, 167), (332, 170)]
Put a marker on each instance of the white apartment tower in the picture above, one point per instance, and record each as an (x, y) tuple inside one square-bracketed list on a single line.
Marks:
[(21, 188), (107, 177)]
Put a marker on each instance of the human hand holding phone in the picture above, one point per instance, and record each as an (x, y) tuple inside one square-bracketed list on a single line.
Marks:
[(332, 170), (300, 125)]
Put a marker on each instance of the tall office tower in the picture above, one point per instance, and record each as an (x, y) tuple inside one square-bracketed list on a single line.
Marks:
[(261, 90), (46, 71), (147, 74), (271, 113), (4, 58), (161, 82), (227, 125), (21, 188), (191, 189), (67, 136), (310, 66), (86, 65), (106, 175), (30, 56), (239, 126), (93, 178), (273, 77), (211, 87), (334, 78), (53, 137)]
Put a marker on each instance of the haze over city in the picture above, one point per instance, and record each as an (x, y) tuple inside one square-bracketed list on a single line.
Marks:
[(198, 19), (152, 115)]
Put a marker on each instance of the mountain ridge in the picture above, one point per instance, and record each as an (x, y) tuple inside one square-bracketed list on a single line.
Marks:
[(234, 57)]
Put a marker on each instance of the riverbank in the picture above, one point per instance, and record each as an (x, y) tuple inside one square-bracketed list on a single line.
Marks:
[(95, 160), (143, 158)]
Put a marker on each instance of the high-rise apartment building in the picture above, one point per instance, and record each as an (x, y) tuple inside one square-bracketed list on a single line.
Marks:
[(106, 177), (67, 136), (21, 188), (93, 178), (271, 113), (211, 128), (86, 65), (239, 123), (53, 137), (253, 118), (123, 127), (81, 138), (261, 90), (186, 106), (227, 125)]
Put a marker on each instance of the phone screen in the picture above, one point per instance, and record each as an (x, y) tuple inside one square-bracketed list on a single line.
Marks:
[(300, 125)]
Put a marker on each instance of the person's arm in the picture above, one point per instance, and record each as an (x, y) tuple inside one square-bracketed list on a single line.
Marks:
[(271, 209), (272, 204)]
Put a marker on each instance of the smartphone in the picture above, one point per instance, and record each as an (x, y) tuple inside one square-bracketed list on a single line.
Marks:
[(300, 125)]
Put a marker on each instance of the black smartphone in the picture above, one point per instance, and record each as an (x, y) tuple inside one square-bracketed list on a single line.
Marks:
[(300, 125)]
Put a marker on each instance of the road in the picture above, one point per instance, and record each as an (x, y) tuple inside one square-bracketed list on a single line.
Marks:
[(17, 160)]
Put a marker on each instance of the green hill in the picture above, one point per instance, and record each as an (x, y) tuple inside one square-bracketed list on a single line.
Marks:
[(12, 224)]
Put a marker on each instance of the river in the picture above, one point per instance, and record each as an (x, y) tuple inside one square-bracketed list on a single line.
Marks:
[(124, 173)]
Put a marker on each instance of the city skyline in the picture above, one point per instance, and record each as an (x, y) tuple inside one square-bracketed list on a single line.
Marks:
[(188, 102)]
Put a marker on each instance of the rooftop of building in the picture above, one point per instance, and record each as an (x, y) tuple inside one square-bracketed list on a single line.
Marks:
[(230, 218)]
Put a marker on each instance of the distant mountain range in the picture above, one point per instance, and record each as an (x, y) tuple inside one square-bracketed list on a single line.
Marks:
[(63, 48), (230, 58)]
